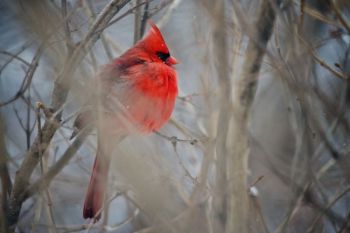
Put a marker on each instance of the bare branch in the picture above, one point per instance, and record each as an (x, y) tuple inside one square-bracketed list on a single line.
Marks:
[(339, 15), (174, 140), (46, 179), (16, 56), (69, 40), (6, 183), (59, 96), (244, 92), (334, 200), (138, 22), (28, 77)]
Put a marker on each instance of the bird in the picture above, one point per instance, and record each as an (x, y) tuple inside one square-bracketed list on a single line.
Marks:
[(133, 94)]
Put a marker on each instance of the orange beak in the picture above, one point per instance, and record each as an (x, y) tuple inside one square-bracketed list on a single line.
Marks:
[(171, 61)]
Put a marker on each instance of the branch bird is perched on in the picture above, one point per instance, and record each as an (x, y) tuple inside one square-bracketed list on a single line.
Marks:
[(135, 93)]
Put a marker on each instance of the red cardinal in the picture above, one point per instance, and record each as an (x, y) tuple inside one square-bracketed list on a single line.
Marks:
[(136, 93)]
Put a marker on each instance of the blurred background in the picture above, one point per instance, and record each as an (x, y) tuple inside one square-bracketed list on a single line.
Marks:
[(259, 140)]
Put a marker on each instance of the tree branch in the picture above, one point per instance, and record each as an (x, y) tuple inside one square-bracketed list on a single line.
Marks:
[(59, 96), (46, 179), (244, 93), (6, 184), (27, 78)]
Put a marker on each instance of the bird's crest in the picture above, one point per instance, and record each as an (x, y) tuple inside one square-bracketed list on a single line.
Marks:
[(154, 41)]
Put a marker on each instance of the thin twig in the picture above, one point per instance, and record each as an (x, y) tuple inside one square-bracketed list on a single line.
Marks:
[(46, 179), (339, 15), (144, 19), (328, 67), (47, 193), (15, 56), (318, 218), (316, 14), (302, 7), (129, 11), (158, 8), (187, 173), (90, 13), (174, 140), (69, 40), (28, 77), (137, 22)]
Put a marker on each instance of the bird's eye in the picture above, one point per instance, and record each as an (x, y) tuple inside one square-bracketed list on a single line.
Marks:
[(163, 56)]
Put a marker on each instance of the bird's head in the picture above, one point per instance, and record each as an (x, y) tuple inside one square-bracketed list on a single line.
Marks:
[(154, 45)]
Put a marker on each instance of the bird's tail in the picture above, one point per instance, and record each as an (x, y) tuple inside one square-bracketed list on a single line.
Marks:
[(97, 187)]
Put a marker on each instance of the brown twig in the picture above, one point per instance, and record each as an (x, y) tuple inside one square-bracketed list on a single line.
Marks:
[(257, 181), (339, 15), (67, 32), (302, 8), (328, 67), (144, 19), (19, 119), (137, 22)]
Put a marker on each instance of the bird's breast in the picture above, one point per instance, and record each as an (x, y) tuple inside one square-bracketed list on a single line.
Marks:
[(151, 101)]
